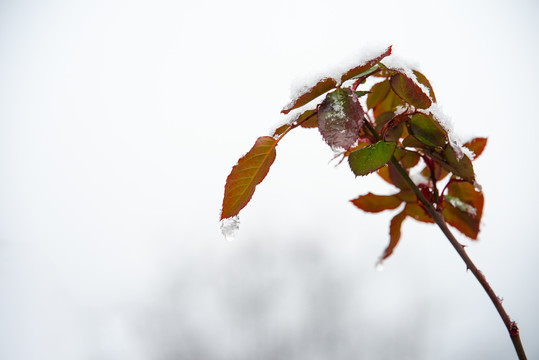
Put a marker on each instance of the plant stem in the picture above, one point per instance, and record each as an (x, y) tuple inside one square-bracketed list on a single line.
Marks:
[(511, 326)]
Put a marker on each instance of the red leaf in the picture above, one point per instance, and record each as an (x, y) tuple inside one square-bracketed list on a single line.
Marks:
[(463, 208), (340, 116), (376, 203), (394, 233), (477, 145), (250, 170), (409, 91), (327, 84), (407, 196)]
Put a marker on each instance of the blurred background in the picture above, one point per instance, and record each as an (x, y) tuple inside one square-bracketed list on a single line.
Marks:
[(120, 120)]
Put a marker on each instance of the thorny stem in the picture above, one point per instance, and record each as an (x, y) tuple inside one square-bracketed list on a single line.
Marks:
[(511, 326), (430, 165)]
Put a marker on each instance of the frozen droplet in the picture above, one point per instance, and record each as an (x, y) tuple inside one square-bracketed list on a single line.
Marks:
[(230, 227), (379, 265), (477, 186)]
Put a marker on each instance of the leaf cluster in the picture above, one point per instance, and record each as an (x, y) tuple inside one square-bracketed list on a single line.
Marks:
[(393, 121)]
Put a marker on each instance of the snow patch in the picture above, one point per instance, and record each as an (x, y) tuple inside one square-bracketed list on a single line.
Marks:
[(305, 82), (454, 140), (230, 227)]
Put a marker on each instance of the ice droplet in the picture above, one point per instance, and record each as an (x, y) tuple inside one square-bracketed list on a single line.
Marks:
[(379, 266), (230, 227), (477, 187)]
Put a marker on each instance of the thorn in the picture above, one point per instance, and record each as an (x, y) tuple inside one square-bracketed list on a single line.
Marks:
[(514, 329)]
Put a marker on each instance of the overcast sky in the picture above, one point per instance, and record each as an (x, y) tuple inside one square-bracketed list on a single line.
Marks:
[(120, 120)]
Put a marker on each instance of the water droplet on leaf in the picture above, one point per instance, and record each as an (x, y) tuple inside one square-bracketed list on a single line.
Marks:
[(477, 187), (230, 227), (340, 117)]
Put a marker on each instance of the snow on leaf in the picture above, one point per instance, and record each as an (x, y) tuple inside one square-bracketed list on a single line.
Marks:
[(365, 66), (250, 170), (421, 79), (326, 84), (376, 203), (461, 205), (371, 158), (280, 130), (409, 91), (462, 167), (340, 116), (463, 208), (323, 86)]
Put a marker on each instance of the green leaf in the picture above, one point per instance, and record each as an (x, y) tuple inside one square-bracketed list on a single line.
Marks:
[(376, 203), (408, 159), (412, 141), (462, 167), (340, 116), (378, 93), (327, 84), (409, 91), (389, 104), (463, 208), (477, 145), (250, 170), (367, 73), (428, 131), (361, 93), (371, 158)]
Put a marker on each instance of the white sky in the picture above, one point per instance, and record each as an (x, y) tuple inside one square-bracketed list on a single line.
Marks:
[(120, 120)]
